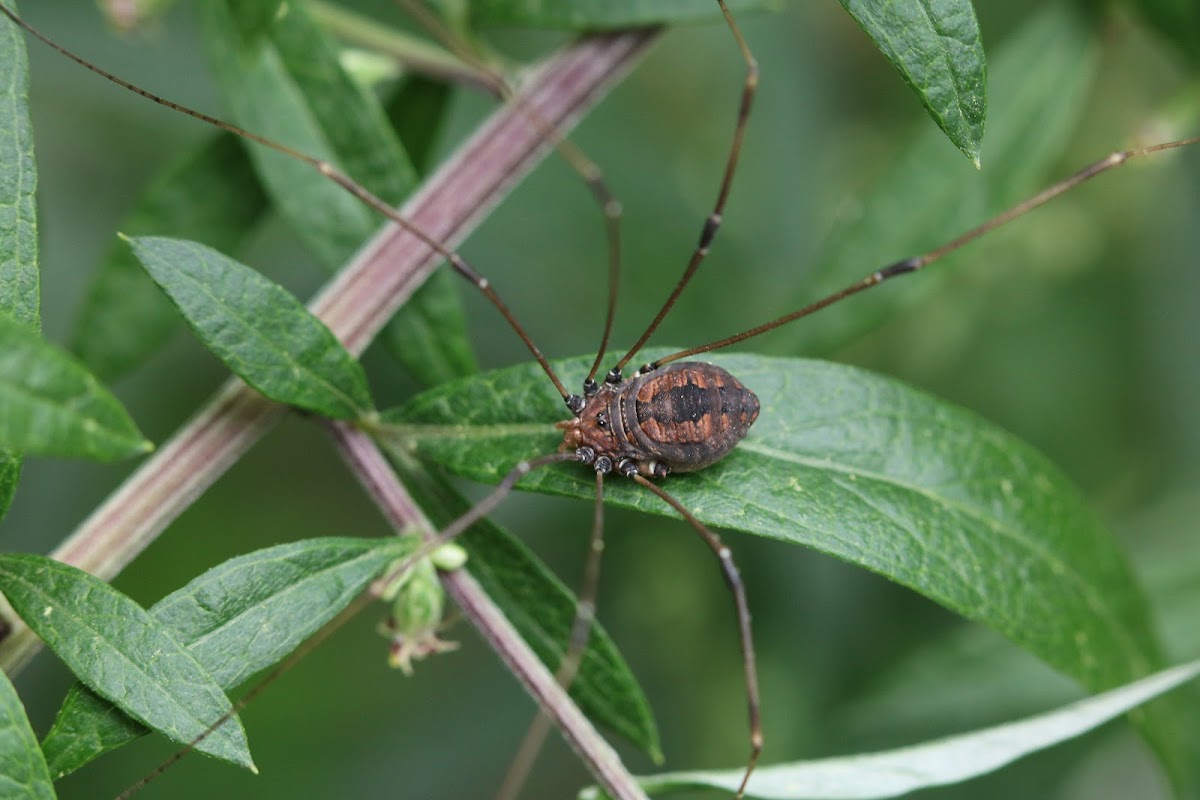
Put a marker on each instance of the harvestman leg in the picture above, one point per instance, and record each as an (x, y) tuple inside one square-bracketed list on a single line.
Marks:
[(713, 222), (579, 161), (734, 581), (568, 667), (586, 597)]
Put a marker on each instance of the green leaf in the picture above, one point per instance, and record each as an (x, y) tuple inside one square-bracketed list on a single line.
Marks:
[(416, 112), (429, 334), (255, 17), (10, 475), (18, 185), (542, 609), (23, 771), (1177, 20), (50, 405), (19, 280), (257, 328), (208, 195), (236, 619), (865, 469), (290, 88), (969, 675), (599, 14), (122, 653), (937, 763), (928, 190), (938, 50)]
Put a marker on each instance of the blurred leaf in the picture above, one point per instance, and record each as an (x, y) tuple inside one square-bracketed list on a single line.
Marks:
[(927, 192), (23, 771), (1177, 20), (416, 112), (1173, 579), (254, 18), (10, 476), (18, 185), (971, 676), (600, 14), (867, 470), (236, 619), (257, 328), (209, 195), (433, 325), (350, 116), (290, 89), (429, 334), (122, 653), (968, 676), (937, 763), (542, 609), (51, 405), (938, 50)]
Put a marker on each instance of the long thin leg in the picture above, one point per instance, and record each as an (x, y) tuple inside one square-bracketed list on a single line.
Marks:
[(591, 173), (916, 263), (568, 667), (456, 261), (734, 581), (713, 221)]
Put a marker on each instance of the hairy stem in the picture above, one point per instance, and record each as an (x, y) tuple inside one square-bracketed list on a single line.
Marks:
[(355, 305)]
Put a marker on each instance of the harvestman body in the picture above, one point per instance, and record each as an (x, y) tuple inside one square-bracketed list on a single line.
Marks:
[(678, 418), (671, 415)]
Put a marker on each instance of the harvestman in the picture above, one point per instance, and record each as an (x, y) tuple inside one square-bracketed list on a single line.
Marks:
[(671, 415)]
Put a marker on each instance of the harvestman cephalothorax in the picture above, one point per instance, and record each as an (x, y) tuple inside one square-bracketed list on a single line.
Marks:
[(674, 414)]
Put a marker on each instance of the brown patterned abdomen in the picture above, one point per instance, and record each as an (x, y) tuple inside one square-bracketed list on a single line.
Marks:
[(688, 415)]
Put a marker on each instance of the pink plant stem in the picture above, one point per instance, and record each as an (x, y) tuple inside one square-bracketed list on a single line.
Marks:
[(355, 305)]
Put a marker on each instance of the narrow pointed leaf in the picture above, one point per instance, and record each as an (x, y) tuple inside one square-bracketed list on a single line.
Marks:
[(938, 50), (542, 609), (122, 653), (938, 763), (23, 771), (236, 619), (208, 195), (51, 405), (868, 470), (257, 328)]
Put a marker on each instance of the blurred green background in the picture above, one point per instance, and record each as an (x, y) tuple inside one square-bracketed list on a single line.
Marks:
[(1075, 329)]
